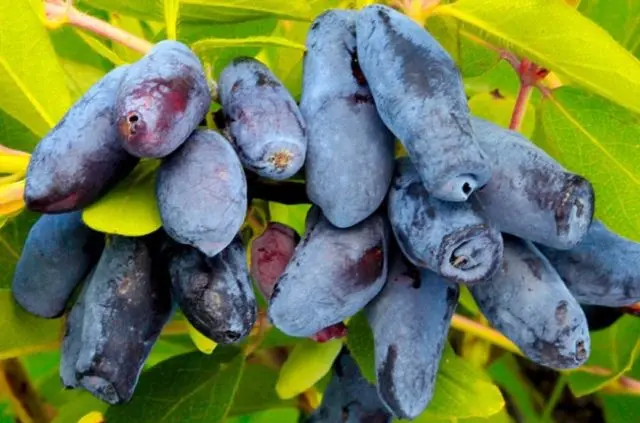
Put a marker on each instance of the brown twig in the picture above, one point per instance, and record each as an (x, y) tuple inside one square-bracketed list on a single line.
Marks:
[(24, 398)]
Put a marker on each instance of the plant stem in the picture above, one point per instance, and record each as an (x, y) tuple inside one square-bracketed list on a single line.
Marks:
[(556, 394), (24, 398), (68, 14), (520, 108), (622, 384)]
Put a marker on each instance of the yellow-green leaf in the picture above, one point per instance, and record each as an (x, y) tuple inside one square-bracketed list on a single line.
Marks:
[(307, 364), (598, 140), (204, 344), (33, 82), (100, 48), (204, 46), (171, 13), (616, 349), (291, 215), (556, 36), (360, 343), (130, 208), (462, 391), (210, 10), (498, 108)]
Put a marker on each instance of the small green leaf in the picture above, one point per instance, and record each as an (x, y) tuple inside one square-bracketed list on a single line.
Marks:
[(556, 36), (308, 363), (204, 344), (360, 344), (130, 208), (257, 391), (498, 108), (32, 80), (506, 373), (598, 140), (462, 391), (189, 388), (290, 215), (615, 348), (171, 14)]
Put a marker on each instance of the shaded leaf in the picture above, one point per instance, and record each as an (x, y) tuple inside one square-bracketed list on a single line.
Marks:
[(82, 404), (554, 35), (307, 364), (257, 391), (12, 237), (25, 333), (189, 388), (130, 208), (615, 348), (135, 27), (15, 135), (279, 415), (31, 95), (598, 140), (360, 344)]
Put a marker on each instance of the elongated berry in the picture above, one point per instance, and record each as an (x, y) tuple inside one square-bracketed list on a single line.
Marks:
[(161, 101), (80, 159)]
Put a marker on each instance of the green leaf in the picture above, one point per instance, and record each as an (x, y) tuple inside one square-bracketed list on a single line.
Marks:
[(192, 32), (12, 237), (279, 415), (33, 96), (24, 333), (189, 388), (14, 134), (616, 349), (204, 344), (165, 348), (554, 35), (80, 404), (462, 391), (257, 391), (466, 49), (100, 48), (207, 45), (466, 300), (622, 408), (130, 208), (618, 17), (210, 10), (360, 344), (597, 139), (501, 77), (290, 215), (524, 397), (308, 363), (171, 14), (498, 108), (134, 27)]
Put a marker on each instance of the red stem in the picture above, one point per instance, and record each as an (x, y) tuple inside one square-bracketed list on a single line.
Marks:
[(520, 107)]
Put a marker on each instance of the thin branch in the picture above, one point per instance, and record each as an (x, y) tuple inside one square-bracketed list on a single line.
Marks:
[(67, 14), (624, 384), (24, 398)]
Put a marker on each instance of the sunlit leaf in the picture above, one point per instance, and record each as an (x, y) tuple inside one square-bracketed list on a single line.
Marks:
[(32, 80), (598, 140), (556, 36), (130, 208)]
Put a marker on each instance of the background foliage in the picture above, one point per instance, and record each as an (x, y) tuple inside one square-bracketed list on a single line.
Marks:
[(585, 114)]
